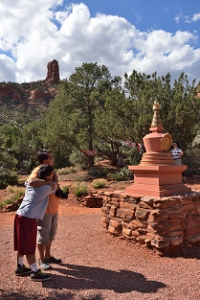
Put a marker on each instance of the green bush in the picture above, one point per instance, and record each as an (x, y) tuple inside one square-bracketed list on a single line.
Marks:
[(98, 172), (191, 160), (99, 183), (122, 175), (13, 194), (80, 190), (65, 171), (65, 189), (24, 166), (7, 178), (133, 156), (78, 158)]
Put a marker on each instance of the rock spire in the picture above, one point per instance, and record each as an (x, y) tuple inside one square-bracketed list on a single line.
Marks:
[(53, 72)]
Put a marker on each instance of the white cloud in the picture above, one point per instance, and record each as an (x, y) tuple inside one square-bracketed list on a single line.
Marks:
[(38, 32), (7, 69), (178, 17), (195, 18)]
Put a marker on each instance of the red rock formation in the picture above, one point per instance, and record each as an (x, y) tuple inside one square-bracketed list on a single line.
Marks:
[(53, 72), (39, 95), (8, 91)]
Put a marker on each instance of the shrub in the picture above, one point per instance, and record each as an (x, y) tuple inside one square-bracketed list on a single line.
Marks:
[(8, 177), (13, 194), (133, 156), (80, 190), (24, 166), (122, 175), (191, 159), (78, 158), (65, 171), (98, 172), (65, 189), (99, 183)]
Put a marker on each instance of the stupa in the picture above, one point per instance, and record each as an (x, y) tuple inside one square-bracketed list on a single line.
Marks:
[(157, 174)]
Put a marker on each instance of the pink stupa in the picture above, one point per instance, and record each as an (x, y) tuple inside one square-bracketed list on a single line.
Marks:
[(157, 174)]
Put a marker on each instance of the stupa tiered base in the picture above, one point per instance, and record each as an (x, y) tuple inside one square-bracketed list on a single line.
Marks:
[(157, 181), (157, 159)]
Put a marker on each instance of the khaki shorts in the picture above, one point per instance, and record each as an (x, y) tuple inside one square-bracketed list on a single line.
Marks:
[(46, 229)]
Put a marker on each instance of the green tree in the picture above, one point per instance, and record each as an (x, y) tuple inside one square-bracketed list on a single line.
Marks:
[(109, 127), (179, 106), (71, 116)]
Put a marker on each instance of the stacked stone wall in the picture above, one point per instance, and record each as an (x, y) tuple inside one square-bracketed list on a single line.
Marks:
[(159, 222)]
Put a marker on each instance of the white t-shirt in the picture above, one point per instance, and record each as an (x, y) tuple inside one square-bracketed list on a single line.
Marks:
[(35, 201), (176, 153)]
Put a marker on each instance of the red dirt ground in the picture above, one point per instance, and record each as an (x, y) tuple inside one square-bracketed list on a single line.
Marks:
[(97, 266)]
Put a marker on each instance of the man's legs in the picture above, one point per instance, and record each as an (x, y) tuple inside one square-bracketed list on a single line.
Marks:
[(31, 259), (41, 249), (48, 250), (48, 257), (43, 239), (25, 231)]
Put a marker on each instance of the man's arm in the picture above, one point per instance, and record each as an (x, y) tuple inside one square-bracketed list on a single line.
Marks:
[(36, 182)]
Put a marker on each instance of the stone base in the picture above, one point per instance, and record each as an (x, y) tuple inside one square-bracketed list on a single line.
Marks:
[(157, 181), (157, 191), (158, 222)]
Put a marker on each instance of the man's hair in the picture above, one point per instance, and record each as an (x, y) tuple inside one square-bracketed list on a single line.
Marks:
[(44, 171), (43, 155)]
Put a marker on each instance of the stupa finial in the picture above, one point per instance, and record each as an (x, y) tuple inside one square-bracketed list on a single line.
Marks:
[(156, 122)]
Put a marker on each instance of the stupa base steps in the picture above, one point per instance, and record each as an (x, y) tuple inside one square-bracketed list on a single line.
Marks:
[(157, 181), (141, 189)]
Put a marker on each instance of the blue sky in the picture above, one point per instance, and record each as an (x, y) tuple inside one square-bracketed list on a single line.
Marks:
[(145, 35)]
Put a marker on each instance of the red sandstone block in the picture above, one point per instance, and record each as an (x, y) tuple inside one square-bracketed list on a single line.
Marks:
[(176, 240), (144, 205), (127, 232), (142, 213), (134, 224)]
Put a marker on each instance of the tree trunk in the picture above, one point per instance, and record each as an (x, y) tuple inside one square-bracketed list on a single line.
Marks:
[(90, 161)]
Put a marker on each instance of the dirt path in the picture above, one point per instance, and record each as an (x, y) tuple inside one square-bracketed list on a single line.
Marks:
[(97, 266)]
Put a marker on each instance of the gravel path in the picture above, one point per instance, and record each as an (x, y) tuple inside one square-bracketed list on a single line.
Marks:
[(97, 266)]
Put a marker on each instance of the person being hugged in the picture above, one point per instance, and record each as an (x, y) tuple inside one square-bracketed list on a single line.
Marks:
[(47, 227), (33, 206)]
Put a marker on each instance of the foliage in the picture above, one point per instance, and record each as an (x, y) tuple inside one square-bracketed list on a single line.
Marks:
[(109, 127), (122, 175), (71, 116), (191, 160), (78, 158), (80, 189), (65, 171), (98, 172), (13, 194), (65, 189), (131, 154), (99, 183), (8, 177), (16, 151), (94, 112), (179, 106)]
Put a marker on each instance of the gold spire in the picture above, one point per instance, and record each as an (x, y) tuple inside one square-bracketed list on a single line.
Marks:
[(156, 122)]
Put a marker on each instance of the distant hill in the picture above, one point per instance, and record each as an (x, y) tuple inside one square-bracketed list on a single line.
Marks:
[(25, 102)]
